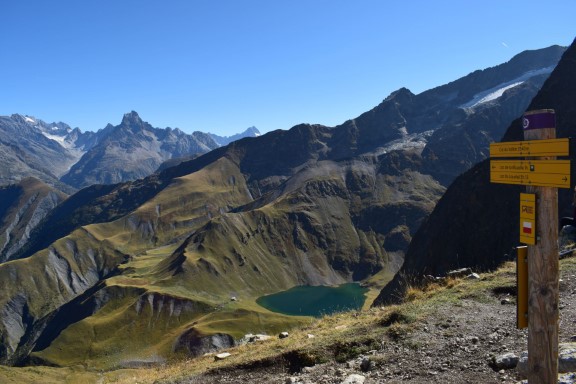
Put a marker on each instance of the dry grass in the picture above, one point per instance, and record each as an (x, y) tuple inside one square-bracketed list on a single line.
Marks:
[(337, 337), (340, 336)]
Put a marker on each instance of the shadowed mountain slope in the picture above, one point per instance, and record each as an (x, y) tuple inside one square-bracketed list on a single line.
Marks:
[(475, 224), (23, 206)]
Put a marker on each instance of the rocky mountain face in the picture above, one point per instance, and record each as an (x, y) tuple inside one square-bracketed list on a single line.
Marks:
[(453, 124), (25, 151), (71, 159), (475, 223), (23, 206), (308, 206), (133, 150)]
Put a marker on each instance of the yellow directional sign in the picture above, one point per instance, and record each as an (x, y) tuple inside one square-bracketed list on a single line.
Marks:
[(528, 218), (534, 148), (540, 173)]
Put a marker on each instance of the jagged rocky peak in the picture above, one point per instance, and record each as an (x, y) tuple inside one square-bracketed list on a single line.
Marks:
[(48, 129), (132, 119), (25, 119)]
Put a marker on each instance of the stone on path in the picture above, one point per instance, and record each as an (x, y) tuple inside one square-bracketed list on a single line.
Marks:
[(354, 379), (506, 361), (566, 359), (565, 378)]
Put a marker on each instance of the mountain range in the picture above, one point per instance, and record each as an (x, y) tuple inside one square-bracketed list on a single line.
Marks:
[(142, 271), (70, 159)]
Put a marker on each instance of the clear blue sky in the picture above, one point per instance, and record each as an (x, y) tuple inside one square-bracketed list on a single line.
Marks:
[(224, 65)]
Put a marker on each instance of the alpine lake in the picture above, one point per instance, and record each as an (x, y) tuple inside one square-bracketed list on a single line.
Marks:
[(315, 301)]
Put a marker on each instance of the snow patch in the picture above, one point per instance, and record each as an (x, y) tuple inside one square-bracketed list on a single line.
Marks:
[(29, 120), (73, 151), (411, 141), (496, 94), (497, 91), (59, 139)]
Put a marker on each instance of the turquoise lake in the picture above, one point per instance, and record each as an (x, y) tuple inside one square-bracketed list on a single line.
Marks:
[(315, 300)]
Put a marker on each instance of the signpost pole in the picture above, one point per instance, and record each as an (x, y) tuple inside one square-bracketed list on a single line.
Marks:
[(543, 265)]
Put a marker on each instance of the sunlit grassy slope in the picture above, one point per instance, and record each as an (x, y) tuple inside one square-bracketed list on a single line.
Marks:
[(187, 282), (159, 280)]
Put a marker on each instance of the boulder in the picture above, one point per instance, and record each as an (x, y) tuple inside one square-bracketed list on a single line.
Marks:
[(566, 359), (194, 343), (251, 338), (506, 361), (354, 379), (566, 378)]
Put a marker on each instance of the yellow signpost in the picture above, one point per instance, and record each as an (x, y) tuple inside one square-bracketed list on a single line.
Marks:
[(538, 268), (535, 148), (528, 218), (541, 173)]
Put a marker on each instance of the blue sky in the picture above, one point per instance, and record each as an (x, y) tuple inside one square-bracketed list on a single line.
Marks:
[(223, 65)]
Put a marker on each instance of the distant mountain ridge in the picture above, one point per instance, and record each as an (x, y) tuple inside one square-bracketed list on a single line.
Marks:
[(225, 140), (71, 159), (133, 150)]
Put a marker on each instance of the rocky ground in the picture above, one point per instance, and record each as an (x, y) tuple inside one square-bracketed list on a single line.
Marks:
[(457, 342)]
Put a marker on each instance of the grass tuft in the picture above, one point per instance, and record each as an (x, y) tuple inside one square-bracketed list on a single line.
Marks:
[(344, 351)]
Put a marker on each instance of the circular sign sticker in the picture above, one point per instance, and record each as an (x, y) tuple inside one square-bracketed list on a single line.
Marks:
[(525, 123)]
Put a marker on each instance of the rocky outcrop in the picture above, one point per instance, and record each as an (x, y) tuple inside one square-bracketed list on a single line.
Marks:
[(194, 343)]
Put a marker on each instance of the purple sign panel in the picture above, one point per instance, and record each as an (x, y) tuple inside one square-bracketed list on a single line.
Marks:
[(540, 119)]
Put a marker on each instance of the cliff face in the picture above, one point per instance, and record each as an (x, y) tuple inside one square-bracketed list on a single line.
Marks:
[(475, 222)]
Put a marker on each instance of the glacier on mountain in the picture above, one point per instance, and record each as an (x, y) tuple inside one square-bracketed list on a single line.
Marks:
[(497, 91)]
